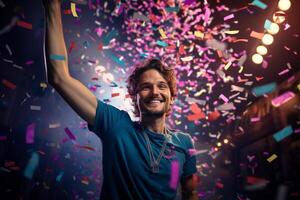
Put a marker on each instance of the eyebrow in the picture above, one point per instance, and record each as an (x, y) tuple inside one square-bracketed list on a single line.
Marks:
[(148, 83)]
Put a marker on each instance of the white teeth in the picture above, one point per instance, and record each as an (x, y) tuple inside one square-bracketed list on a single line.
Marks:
[(155, 101)]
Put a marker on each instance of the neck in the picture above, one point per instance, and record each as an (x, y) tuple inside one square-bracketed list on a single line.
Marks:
[(154, 124)]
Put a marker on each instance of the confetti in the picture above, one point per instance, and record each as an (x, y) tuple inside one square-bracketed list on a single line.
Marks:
[(59, 176), (256, 35), (162, 33), (259, 4), (8, 84), (30, 132), (70, 134), (285, 97), (264, 89), (24, 24), (73, 9), (228, 17), (34, 107), (272, 157), (31, 165), (283, 133)]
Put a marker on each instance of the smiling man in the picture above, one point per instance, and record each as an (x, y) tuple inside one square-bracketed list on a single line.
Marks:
[(142, 160)]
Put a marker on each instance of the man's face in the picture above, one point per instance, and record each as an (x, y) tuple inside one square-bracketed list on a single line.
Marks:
[(153, 94)]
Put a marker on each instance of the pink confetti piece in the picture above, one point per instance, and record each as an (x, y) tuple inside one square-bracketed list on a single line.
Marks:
[(228, 17), (255, 119), (285, 97), (283, 72), (224, 98), (70, 134), (174, 174), (30, 132)]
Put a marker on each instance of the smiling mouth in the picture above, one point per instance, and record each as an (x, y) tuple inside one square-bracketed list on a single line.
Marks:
[(154, 102)]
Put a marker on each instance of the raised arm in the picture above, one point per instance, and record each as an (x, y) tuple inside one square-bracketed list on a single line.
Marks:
[(77, 95)]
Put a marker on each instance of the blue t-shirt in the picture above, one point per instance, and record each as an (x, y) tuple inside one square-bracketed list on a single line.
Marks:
[(126, 164)]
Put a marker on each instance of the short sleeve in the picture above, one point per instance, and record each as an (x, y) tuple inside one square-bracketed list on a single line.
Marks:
[(189, 166), (106, 117)]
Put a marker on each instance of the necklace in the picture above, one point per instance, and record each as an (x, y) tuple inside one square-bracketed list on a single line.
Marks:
[(154, 163)]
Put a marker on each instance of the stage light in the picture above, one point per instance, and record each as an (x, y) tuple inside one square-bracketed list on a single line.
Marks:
[(216, 149), (262, 50), (257, 59), (279, 17), (284, 5), (267, 39), (274, 28), (225, 141), (219, 144)]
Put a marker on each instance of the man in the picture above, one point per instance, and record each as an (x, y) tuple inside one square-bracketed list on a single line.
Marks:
[(141, 160)]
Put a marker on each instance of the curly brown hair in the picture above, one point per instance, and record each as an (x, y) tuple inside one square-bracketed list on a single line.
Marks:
[(167, 72)]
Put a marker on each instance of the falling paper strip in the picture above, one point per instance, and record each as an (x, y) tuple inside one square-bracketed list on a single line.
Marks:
[(73, 9), (264, 89), (31, 165), (30, 132), (59, 176), (259, 4), (70, 134), (283, 133), (285, 97), (271, 158)]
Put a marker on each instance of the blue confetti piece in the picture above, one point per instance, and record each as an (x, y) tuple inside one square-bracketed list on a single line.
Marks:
[(161, 43), (109, 36), (264, 89), (31, 165), (57, 57), (172, 9), (117, 60), (144, 55), (283, 133), (259, 4), (267, 24), (59, 176)]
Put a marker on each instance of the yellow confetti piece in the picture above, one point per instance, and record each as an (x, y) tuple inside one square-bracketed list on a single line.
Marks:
[(43, 85), (232, 32), (199, 34), (162, 33), (73, 9), (197, 94), (241, 69), (298, 86), (271, 158), (227, 65)]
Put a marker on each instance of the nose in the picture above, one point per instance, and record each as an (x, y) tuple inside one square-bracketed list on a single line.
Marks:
[(155, 90)]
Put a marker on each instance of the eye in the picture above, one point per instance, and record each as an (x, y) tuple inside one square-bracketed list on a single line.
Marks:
[(163, 86)]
